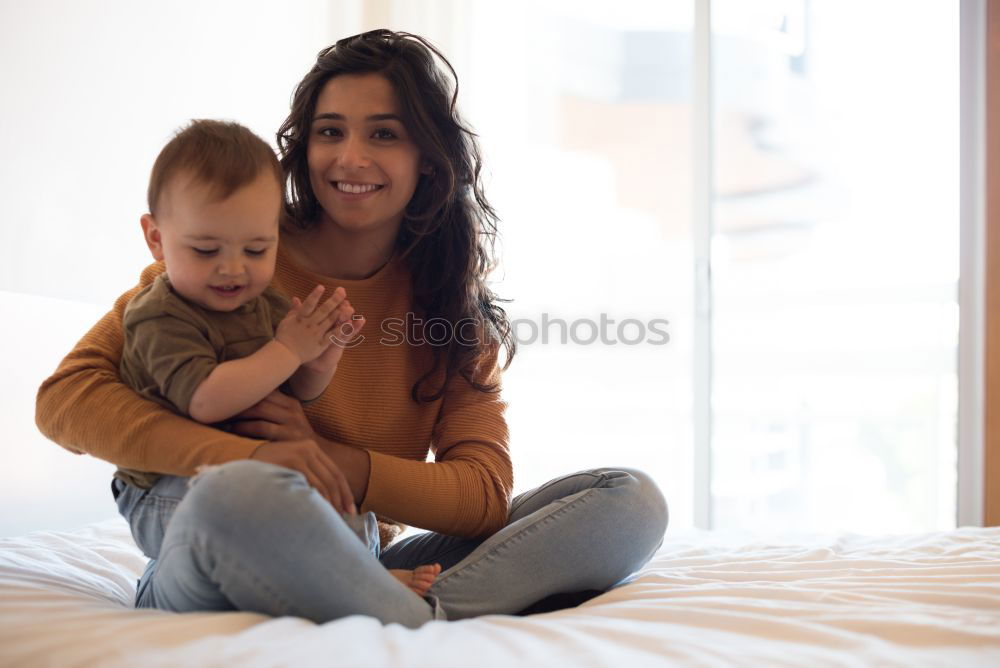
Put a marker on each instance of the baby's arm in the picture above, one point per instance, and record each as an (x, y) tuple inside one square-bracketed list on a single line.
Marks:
[(234, 386), (307, 385)]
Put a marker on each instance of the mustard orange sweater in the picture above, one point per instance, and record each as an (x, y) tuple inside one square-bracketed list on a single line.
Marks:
[(465, 491)]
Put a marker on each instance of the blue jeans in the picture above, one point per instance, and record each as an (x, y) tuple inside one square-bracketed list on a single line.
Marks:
[(253, 536)]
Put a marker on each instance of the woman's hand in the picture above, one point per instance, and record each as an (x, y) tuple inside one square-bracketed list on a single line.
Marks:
[(320, 471), (278, 417)]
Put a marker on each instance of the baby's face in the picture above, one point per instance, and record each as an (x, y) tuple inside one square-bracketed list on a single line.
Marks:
[(219, 253)]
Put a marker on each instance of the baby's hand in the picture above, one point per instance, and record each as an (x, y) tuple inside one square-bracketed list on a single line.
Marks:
[(346, 329), (307, 328)]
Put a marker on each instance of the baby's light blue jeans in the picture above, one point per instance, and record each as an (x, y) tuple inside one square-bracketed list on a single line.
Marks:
[(254, 536)]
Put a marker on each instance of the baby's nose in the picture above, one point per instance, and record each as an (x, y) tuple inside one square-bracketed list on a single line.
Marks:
[(231, 267)]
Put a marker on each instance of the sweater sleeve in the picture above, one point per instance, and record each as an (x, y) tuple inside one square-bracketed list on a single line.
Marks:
[(86, 408), (466, 490)]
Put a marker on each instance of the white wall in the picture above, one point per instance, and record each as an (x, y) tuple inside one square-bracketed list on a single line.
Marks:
[(91, 90)]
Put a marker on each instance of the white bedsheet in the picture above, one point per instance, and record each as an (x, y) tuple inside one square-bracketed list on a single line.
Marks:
[(706, 599)]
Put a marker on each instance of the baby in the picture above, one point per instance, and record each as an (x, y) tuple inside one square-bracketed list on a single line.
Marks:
[(209, 338)]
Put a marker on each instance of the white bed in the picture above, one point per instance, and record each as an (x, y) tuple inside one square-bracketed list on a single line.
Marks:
[(707, 598)]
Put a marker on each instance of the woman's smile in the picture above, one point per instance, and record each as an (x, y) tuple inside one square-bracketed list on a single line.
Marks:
[(351, 188)]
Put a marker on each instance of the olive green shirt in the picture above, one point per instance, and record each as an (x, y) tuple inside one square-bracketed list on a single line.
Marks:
[(172, 345)]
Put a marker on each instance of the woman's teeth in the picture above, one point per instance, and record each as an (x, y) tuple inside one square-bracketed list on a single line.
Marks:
[(356, 188)]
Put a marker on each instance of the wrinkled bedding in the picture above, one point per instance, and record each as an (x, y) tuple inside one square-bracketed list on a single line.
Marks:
[(707, 598)]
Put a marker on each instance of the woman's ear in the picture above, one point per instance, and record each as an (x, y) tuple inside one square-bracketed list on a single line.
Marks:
[(427, 168), (151, 233)]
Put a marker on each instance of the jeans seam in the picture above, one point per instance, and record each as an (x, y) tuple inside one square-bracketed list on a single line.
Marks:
[(538, 490), (157, 502), (517, 536)]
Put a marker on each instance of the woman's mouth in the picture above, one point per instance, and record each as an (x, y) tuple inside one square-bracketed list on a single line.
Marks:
[(356, 188)]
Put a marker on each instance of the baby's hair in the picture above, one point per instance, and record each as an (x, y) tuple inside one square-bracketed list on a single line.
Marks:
[(222, 155)]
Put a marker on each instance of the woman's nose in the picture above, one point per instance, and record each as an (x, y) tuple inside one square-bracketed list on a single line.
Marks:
[(354, 153)]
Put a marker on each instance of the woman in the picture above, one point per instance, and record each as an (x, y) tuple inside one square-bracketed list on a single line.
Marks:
[(384, 199)]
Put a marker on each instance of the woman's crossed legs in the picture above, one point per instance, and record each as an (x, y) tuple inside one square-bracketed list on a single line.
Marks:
[(252, 536)]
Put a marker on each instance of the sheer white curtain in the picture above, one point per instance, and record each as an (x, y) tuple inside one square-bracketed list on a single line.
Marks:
[(834, 246), (836, 265), (584, 113)]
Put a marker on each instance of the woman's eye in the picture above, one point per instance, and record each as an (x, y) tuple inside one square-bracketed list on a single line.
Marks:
[(329, 132), (253, 252), (384, 133), (206, 252)]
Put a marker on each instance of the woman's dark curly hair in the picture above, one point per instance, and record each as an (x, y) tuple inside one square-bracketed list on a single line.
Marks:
[(449, 229)]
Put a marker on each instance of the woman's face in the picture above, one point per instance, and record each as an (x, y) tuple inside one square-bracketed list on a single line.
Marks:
[(363, 165)]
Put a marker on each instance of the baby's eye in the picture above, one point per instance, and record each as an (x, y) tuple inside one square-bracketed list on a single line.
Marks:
[(206, 252), (255, 252), (384, 133)]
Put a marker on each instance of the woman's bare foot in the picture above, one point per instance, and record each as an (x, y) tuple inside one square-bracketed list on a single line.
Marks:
[(419, 579)]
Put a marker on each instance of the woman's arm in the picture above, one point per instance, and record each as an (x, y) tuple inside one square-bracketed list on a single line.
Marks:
[(85, 408), (466, 490), (468, 495)]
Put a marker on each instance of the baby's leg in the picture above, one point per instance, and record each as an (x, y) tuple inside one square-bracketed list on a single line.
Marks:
[(419, 579), (365, 527)]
